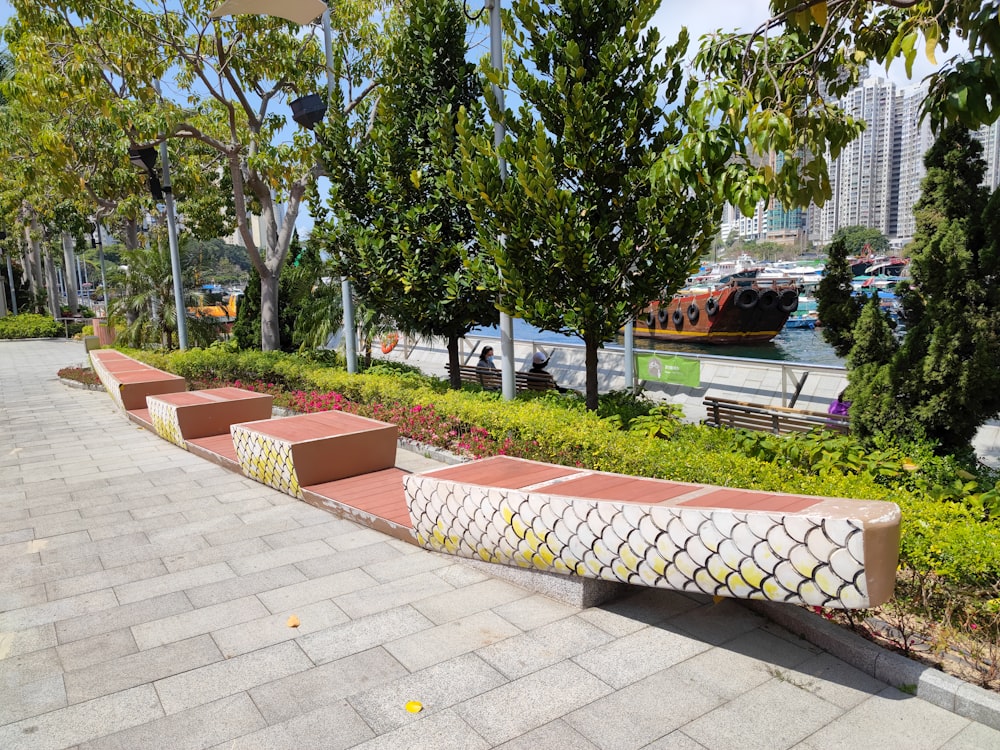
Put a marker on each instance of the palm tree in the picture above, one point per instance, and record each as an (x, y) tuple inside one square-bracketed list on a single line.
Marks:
[(145, 306)]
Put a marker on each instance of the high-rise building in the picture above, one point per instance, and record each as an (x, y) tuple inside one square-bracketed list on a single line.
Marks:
[(913, 140)]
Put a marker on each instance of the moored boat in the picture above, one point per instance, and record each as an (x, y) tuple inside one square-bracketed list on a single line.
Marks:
[(738, 311)]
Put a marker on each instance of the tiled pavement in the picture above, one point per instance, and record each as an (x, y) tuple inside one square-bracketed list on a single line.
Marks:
[(144, 596)]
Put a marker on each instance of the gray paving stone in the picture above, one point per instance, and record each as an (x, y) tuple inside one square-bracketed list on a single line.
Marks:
[(633, 716), (235, 588), (275, 558), (196, 622), (143, 667), (364, 633), (438, 687), (146, 525), (352, 583), (459, 603), (335, 726), (534, 611), (18, 535), (306, 691), (26, 667), (440, 730), (401, 567), (675, 741), (637, 655), (31, 698), (40, 614), (259, 530), (98, 648), (837, 682), (89, 548), (209, 683), (266, 631), (218, 722), (451, 639), (22, 597), (891, 720), (181, 527), (974, 737), (523, 705), (459, 575), (311, 533), (760, 718), (360, 537), (83, 721), (104, 579), (27, 572), (27, 640), (171, 582), (51, 525), (544, 646), (389, 595), (555, 734), (139, 552), (106, 621), (229, 553), (336, 562)]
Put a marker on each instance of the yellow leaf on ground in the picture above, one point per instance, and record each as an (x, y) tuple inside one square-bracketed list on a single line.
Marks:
[(414, 707), (293, 622)]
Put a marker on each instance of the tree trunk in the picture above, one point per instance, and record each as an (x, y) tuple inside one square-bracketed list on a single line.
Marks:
[(455, 376), (51, 287), (33, 263), (270, 334), (3, 290), (69, 258), (591, 364)]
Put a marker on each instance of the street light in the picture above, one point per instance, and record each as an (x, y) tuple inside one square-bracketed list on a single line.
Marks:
[(305, 12), (146, 158)]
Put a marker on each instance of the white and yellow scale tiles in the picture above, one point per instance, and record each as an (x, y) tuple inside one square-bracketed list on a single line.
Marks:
[(266, 459)]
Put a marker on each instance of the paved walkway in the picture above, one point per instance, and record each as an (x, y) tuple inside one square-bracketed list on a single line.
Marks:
[(144, 596)]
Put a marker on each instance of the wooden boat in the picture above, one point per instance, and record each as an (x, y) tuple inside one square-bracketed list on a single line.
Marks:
[(734, 311)]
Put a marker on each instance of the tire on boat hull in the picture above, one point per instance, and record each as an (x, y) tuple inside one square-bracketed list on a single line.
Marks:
[(788, 301), (746, 299), (768, 299), (693, 313)]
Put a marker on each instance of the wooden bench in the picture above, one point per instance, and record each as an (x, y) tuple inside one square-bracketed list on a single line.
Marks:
[(129, 381), (293, 453), (721, 412), (192, 415), (492, 379), (651, 532)]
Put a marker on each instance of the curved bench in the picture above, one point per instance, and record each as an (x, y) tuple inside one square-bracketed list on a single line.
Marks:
[(129, 381), (723, 542)]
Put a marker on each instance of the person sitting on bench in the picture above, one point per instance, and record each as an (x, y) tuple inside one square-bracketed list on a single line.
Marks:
[(545, 379)]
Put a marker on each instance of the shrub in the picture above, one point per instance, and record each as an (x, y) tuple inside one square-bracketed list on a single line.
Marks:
[(29, 326)]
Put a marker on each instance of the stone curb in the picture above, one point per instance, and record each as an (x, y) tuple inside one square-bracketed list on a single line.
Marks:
[(941, 689)]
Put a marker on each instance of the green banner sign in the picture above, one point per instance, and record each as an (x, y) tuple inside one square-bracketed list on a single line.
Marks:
[(669, 369)]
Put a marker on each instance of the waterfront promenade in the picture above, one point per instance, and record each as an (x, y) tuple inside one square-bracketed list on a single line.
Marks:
[(145, 596)]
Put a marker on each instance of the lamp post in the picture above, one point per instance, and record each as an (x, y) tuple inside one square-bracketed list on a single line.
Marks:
[(305, 12), (499, 133), (100, 259), (146, 157)]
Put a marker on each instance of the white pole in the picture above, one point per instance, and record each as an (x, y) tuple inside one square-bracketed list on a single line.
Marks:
[(175, 254), (13, 292), (499, 133)]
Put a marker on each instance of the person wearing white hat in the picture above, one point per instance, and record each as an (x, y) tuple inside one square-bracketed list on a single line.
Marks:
[(545, 380)]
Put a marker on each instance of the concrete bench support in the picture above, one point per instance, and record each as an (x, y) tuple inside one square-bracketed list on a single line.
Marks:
[(311, 449), (723, 542), (180, 417)]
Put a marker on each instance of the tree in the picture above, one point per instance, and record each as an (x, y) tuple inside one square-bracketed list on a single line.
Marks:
[(873, 389), (588, 239), (399, 232), (859, 240), (296, 295), (228, 74), (945, 378), (836, 305)]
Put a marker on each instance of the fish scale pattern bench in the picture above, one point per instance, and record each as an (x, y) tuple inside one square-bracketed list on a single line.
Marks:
[(192, 415), (129, 382), (311, 449), (723, 542)]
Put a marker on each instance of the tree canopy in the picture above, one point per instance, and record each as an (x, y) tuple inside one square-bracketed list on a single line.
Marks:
[(396, 228), (588, 240)]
